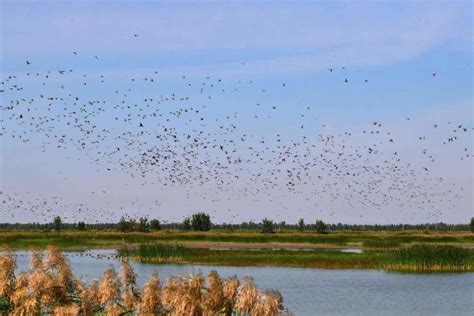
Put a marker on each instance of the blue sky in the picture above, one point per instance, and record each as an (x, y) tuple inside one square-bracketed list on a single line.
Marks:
[(396, 46)]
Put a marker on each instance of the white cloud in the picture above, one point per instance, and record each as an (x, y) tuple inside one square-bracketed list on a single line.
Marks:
[(276, 37)]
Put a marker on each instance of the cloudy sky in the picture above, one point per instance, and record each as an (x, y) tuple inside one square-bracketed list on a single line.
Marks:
[(396, 46)]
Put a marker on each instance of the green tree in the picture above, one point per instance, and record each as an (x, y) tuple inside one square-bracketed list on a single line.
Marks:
[(187, 224), (81, 226), (142, 224), (57, 223), (471, 225), (201, 222), (301, 225), (155, 224), (267, 226), (320, 227), (126, 225)]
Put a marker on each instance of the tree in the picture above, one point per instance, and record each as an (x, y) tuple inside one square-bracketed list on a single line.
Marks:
[(320, 227), (125, 225), (142, 225), (201, 222), (471, 225), (81, 226), (187, 224), (155, 224), (301, 225), (57, 223), (267, 226)]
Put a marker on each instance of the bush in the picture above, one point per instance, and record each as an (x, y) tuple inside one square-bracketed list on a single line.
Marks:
[(267, 226), (201, 222), (301, 225), (57, 223), (81, 226), (321, 227), (142, 225), (187, 224), (126, 225), (155, 224)]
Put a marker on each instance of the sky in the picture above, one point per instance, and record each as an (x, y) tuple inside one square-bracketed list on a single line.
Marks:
[(395, 46)]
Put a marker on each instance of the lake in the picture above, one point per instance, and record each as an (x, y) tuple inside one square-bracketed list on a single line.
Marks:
[(317, 291)]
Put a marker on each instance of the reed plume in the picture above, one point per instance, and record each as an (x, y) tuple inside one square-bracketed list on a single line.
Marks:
[(50, 288), (214, 298), (247, 295), (109, 287), (230, 287), (150, 301), (182, 295), (7, 273)]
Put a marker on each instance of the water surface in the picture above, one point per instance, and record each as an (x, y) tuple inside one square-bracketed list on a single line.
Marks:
[(317, 291)]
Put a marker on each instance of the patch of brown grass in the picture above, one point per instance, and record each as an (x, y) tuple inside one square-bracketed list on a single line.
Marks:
[(51, 288)]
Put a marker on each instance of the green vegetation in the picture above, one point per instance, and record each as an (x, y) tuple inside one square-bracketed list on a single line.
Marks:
[(301, 225), (81, 226), (267, 226), (133, 225), (57, 223), (176, 253), (432, 258), (155, 224), (186, 224), (420, 258), (407, 251), (201, 222), (74, 239), (379, 243), (320, 227)]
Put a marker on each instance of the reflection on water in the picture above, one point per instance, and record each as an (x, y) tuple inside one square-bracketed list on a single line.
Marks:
[(317, 291)]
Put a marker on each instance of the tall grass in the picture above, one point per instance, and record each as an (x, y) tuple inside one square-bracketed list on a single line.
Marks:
[(381, 243), (25, 239), (432, 258), (50, 288), (175, 253)]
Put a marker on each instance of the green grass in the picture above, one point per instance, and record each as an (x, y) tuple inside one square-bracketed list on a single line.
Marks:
[(415, 258), (407, 251), (22, 239), (175, 253), (381, 244), (432, 258)]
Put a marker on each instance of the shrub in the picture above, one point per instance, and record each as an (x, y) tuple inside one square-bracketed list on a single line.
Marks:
[(320, 227), (267, 226), (81, 226), (301, 225), (155, 224), (187, 224), (201, 222), (57, 223)]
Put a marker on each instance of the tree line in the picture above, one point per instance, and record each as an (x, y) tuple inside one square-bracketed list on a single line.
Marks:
[(202, 222)]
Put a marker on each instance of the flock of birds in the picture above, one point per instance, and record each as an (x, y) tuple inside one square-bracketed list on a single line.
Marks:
[(182, 135)]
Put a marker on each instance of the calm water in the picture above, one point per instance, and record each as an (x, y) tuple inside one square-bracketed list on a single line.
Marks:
[(317, 291)]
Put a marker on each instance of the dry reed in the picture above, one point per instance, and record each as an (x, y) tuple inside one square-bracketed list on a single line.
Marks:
[(50, 287)]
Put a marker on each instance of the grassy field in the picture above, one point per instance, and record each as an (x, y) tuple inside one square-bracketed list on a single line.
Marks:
[(407, 251), (382, 240)]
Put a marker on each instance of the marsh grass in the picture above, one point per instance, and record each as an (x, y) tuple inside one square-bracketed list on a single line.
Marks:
[(176, 253), (50, 288), (381, 244), (98, 239), (429, 258), (413, 258)]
